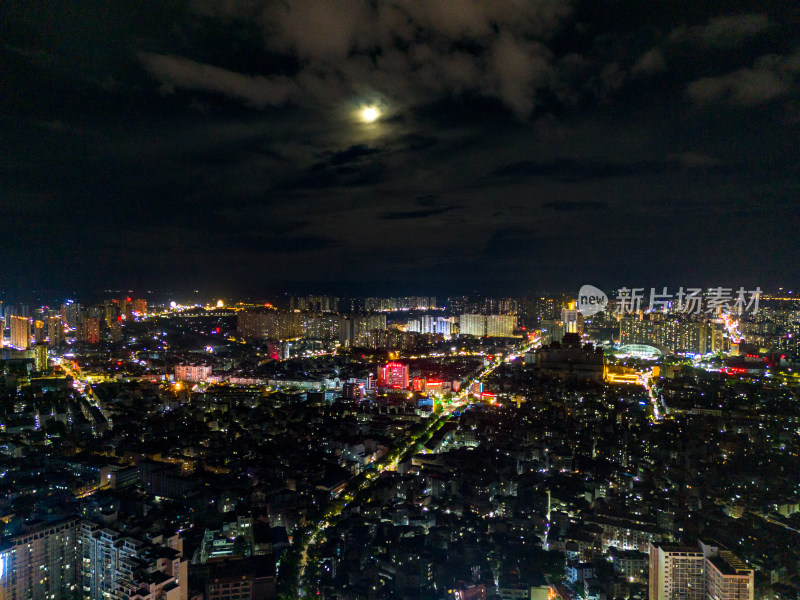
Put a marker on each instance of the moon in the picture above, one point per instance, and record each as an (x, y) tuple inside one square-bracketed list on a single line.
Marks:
[(370, 114)]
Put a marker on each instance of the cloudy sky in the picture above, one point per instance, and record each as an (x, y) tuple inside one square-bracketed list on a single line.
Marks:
[(216, 144)]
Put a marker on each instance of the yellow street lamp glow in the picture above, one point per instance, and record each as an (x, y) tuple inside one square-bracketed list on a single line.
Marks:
[(370, 114)]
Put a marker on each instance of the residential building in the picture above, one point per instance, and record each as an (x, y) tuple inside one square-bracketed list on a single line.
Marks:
[(676, 572), (703, 573), (113, 565), (192, 372), (357, 330), (500, 325), (20, 332), (473, 324), (269, 324), (41, 563)]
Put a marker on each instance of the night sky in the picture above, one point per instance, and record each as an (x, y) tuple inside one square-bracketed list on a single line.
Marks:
[(217, 145)]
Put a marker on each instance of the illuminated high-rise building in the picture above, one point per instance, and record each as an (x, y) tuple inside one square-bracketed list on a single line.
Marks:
[(397, 303), (500, 325), (672, 334), (572, 319), (727, 577), (41, 564), (444, 326), (38, 330), (55, 330), (74, 558), (20, 332), (140, 306), (472, 324), (676, 573), (113, 565), (703, 573), (357, 330), (428, 324), (269, 324), (70, 312), (501, 306), (552, 331), (314, 303), (115, 331), (125, 307), (40, 356), (488, 325), (414, 326), (90, 330), (394, 375), (110, 311), (321, 327), (541, 308)]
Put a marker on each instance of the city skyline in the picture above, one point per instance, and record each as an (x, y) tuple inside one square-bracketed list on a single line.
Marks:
[(655, 451), (399, 300)]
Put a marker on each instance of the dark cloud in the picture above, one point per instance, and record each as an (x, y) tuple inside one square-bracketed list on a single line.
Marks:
[(724, 31), (297, 244), (424, 49), (585, 170), (572, 206), (771, 77), (652, 61), (320, 176), (574, 170), (427, 200), (353, 153), (415, 141), (416, 214), (175, 72)]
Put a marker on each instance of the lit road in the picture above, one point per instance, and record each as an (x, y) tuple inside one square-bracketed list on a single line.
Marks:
[(82, 387), (314, 535), (646, 379)]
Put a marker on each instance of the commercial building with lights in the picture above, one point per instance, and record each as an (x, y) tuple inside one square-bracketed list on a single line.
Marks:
[(394, 375)]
